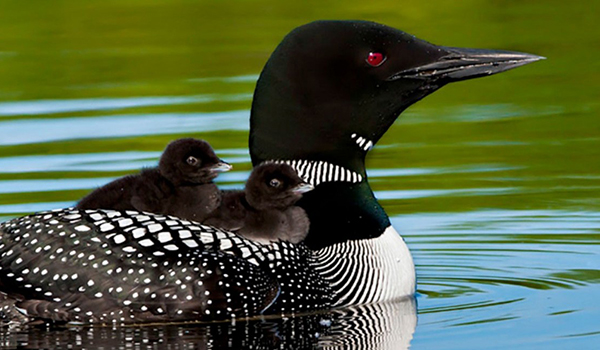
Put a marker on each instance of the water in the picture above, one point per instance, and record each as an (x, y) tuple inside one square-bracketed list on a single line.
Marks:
[(494, 183)]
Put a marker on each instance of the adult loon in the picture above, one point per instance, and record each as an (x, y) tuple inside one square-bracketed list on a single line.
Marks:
[(327, 94)]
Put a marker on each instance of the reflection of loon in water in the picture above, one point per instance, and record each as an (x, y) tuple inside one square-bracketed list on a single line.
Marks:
[(327, 94), (381, 326)]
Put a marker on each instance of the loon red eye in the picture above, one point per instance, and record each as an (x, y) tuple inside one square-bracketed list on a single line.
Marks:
[(375, 59)]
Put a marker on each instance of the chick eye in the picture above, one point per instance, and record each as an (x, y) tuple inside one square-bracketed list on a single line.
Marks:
[(192, 160), (375, 59), (274, 183)]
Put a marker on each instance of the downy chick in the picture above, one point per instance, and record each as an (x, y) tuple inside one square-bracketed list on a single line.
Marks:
[(181, 185), (264, 211)]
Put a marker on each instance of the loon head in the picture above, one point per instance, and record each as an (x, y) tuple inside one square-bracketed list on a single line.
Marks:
[(330, 91), (190, 161)]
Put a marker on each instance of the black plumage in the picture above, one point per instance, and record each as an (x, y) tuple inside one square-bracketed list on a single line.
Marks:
[(181, 185), (141, 268), (264, 211)]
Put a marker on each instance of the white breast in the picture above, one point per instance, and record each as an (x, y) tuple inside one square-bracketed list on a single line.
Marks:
[(368, 270)]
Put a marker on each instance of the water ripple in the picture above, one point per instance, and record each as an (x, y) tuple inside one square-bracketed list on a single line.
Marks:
[(105, 161), (97, 162), (466, 306), (37, 107), (250, 78), (45, 185), (409, 194), (18, 132), (33, 207)]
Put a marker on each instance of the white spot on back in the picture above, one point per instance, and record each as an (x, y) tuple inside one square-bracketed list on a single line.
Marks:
[(154, 228), (119, 239), (164, 237), (183, 234), (129, 249), (190, 243), (125, 222), (226, 244), (106, 227), (146, 242), (207, 238), (138, 232)]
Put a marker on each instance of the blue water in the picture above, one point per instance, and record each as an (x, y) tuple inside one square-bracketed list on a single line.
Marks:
[(522, 278)]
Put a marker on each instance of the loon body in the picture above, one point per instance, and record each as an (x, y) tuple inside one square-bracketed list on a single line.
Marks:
[(181, 185), (264, 211), (326, 96)]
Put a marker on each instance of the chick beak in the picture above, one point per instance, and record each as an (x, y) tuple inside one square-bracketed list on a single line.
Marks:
[(303, 188), (221, 167)]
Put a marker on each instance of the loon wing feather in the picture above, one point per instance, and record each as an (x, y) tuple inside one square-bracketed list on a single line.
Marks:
[(109, 266)]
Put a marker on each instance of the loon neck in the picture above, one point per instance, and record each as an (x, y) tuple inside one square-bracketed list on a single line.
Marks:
[(342, 206), (341, 211)]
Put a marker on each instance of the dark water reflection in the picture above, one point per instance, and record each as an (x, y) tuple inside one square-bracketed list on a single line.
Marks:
[(379, 326)]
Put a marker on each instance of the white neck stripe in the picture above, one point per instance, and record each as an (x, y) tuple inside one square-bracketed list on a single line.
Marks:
[(317, 171), (362, 142)]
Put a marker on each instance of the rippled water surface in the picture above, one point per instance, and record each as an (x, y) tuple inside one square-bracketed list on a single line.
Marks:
[(494, 183)]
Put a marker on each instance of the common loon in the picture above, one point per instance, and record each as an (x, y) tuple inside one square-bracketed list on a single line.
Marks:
[(327, 94), (181, 185), (264, 211)]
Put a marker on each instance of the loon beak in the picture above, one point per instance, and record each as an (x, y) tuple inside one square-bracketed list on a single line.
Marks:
[(221, 167), (461, 64), (303, 188)]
